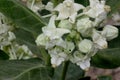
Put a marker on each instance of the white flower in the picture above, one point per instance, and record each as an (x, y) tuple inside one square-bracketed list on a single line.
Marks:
[(76, 57), (80, 60), (66, 45), (58, 42), (4, 28), (20, 52), (49, 6), (6, 36), (84, 64), (110, 32), (101, 43), (26, 50), (57, 56), (85, 26), (41, 40), (52, 32), (100, 18), (85, 46), (11, 36), (68, 9), (57, 59), (99, 40), (51, 35), (96, 8), (65, 24)]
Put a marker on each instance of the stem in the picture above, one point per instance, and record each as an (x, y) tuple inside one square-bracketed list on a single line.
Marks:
[(64, 71), (55, 2), (48, 63), (49, 15), (46, 57), (32, 4)]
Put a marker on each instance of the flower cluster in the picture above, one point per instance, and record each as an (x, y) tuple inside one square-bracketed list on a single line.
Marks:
[(74, 32), (8, 43)]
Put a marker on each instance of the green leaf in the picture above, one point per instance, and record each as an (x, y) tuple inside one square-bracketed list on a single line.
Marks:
[(22, 16), (25, 19), (104, 78), (23, 69), (41, 73), (74, 72), (108, 58), (3, 55), (114, 4)]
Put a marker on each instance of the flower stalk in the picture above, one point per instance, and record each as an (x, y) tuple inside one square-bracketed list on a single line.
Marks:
[(64, 71)]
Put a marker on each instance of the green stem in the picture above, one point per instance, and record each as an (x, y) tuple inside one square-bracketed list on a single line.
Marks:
[(55, 2), (46, 57), (64, 71)]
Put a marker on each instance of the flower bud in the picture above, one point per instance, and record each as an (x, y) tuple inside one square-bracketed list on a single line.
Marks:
[(110, 32), (76, 57), (84, 26), (101, 43), (85, 46)]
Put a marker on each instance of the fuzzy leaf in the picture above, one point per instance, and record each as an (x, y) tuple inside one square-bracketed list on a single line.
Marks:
[(22, 16), (108, 58), (24, 70)]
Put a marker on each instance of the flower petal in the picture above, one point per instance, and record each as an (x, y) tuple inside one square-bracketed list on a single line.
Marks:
[(72, 18), (99, 40), (110, 32), (85, 64), (77, 7), (41, 40), (54, 33), (52, 22)]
